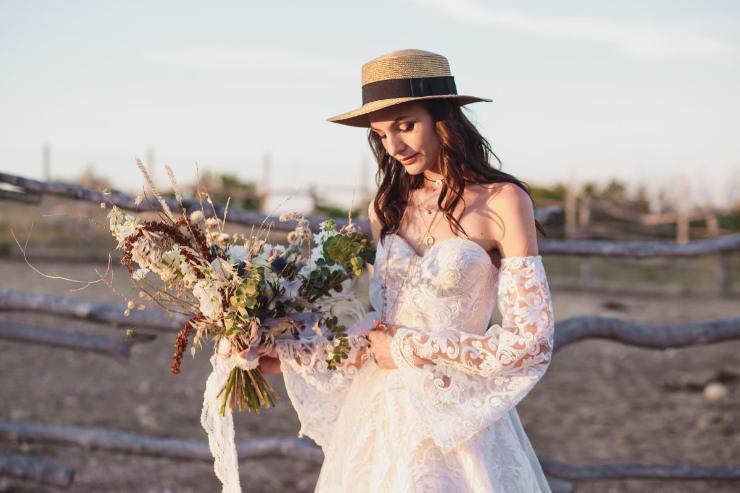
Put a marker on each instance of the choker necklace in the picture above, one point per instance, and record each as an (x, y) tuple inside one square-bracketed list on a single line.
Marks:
[(437, 182)]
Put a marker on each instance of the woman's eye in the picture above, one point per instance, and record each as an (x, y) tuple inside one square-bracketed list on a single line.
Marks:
[(409, 126)]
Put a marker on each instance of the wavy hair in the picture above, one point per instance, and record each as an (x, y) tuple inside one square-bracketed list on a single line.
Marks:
[(464, 159)]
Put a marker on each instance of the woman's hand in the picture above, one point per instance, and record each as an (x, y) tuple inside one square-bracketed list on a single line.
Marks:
[(269, 361), (269, 364), (380, 344)]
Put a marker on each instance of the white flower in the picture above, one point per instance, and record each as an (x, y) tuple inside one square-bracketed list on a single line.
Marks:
[(209, 299), (196, 216), (267, 250), (189, 277), (237, 253), (261, 260), (291, 287), (270, 277), (121, 224), (221, 268)]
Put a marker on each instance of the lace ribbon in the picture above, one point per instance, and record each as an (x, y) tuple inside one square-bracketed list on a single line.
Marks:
[(220, 429)]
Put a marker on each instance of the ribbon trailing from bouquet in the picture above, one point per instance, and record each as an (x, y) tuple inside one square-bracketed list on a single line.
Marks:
[(220, 428)]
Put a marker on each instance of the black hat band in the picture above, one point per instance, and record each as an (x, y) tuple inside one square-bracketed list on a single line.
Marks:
[(413, 87)]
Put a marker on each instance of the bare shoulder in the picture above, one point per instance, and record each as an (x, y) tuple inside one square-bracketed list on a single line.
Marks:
[(509, 196), (512, 214)]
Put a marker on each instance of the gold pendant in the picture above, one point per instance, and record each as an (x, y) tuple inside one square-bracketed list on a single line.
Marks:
[(429, 240)]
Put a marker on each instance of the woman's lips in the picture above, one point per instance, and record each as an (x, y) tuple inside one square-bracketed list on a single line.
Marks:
[(409, 159)]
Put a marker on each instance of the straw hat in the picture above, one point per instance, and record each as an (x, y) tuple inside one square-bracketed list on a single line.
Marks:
[(401, 76)]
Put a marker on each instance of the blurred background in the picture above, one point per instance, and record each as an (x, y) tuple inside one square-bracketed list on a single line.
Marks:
[(622, 117)]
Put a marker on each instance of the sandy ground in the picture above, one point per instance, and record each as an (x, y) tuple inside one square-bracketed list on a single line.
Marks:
[(600, 402)]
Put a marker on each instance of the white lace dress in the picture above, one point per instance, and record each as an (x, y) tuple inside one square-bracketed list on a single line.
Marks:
[(449, 426)]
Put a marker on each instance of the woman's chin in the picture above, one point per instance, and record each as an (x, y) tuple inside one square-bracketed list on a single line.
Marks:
[(414, 168)]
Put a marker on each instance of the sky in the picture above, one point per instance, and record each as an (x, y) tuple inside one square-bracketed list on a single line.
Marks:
[(642, 91)]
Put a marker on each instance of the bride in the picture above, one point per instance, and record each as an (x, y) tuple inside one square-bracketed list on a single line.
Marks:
[(426, 400)]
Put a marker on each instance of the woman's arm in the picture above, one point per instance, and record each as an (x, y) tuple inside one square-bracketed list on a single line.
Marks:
[(315, 352), (524, 338), (522, 343)]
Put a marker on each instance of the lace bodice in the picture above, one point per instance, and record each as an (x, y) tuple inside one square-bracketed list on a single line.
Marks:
[(477, 372), (452, 397), (451, 287)]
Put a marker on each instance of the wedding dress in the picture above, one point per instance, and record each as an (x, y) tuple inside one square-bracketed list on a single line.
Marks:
[(447, 426)]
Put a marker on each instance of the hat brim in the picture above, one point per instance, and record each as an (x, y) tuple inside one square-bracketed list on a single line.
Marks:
[(359, 117)]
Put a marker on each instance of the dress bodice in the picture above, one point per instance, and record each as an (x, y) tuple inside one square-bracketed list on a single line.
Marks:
[(451, 286), (444, 417)]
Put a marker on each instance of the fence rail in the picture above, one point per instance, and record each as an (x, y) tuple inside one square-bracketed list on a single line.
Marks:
[(567, 332), (563, 477)]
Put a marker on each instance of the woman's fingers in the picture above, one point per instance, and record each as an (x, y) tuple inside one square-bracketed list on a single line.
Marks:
[(269, 365)]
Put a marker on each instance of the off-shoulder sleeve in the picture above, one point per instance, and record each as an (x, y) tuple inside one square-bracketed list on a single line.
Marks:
[(464, 382), (317, 392)]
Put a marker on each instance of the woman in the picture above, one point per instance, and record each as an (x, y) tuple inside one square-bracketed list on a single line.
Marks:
[(426, 400)]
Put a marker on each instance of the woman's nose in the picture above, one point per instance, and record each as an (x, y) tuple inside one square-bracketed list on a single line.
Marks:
[(394, 145)]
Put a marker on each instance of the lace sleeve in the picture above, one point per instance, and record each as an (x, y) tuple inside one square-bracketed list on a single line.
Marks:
[(467, 381), (308, 356), (317, 392)]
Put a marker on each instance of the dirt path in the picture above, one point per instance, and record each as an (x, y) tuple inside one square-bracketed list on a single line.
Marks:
[(600, 402)]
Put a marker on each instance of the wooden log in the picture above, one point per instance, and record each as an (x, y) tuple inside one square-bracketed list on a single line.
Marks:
[(112, 313), (93, 311), (26, 467), (250, 218), (127, 202), (18, 331), (646, 336), (647, 219), (639, 471), (640, 249), (93, 438), (560, 485), (26, 198)]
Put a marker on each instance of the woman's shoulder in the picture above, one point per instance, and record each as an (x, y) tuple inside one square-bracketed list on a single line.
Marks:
[(513, 224), (500, 195)]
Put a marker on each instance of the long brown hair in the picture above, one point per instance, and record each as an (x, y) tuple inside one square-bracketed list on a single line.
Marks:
[(464, 158)]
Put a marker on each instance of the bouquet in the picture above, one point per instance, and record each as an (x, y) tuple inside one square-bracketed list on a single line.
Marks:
[(242, 292)]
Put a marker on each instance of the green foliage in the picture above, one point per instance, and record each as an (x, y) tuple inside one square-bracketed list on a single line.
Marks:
[(322, 281), (730, 220), (338, 334), (556, 193), (247, 293), (352, 251), (243, 194)]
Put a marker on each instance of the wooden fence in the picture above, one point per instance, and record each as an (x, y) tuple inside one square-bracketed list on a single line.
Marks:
[(563, 477)]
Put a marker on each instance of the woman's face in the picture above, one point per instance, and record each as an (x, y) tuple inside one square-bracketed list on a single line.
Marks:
[(408, 135)]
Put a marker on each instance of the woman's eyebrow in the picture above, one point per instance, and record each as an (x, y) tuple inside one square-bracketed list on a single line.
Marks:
[(394, 121)]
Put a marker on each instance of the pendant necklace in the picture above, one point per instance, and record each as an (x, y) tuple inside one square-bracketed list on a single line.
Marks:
[(437, 182), (428, 238)]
